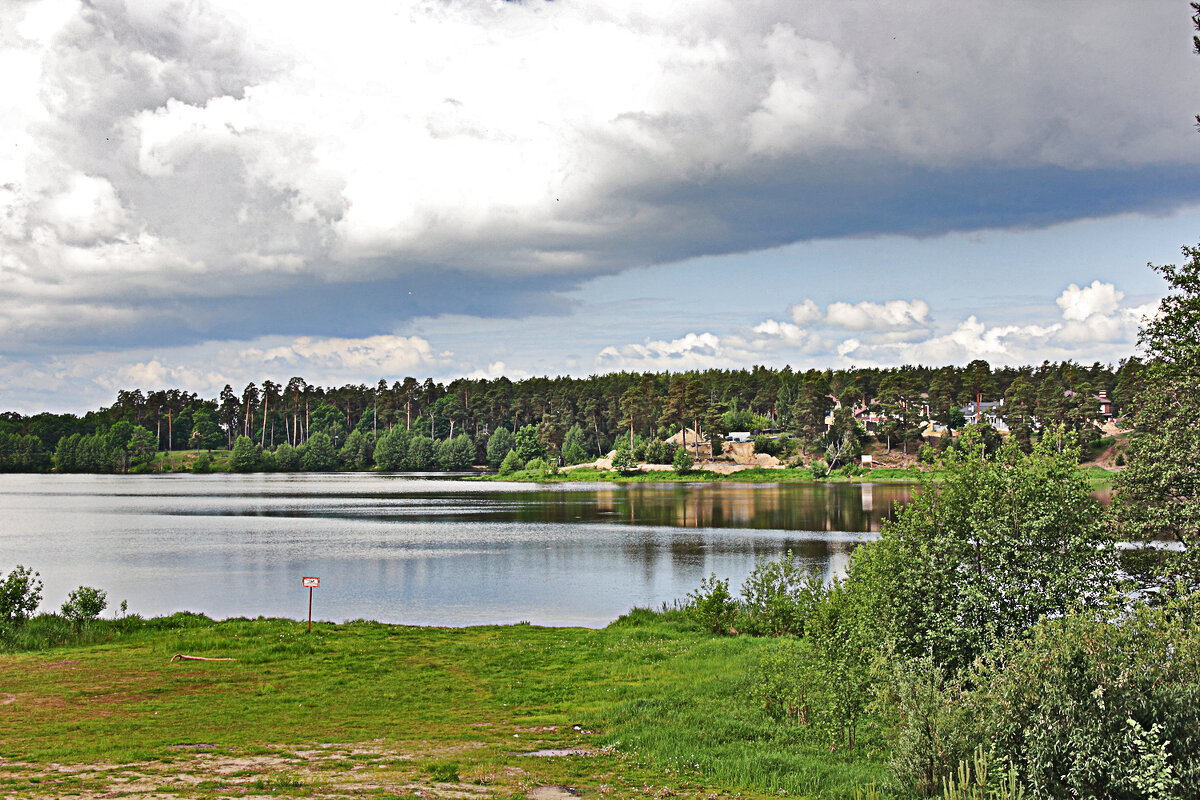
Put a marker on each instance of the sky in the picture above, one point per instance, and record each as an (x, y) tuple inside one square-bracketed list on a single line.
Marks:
[(212, 191)]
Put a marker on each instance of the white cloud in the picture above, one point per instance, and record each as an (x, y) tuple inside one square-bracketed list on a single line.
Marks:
[(1094, 326), (260, 143), (371, 355), (1079, 304), (805, 311), (894, 315)]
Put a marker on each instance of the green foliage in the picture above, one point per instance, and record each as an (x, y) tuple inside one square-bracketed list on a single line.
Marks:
[(499, 445), (20, 593), (712, 606), (319, 454), (1099, 703), (511, 463), (981, 777), (779, 446), (244, 457), (526, 443), (22, 453), (785, 682), (287, 458), (779, 597), (203, 463), (985, 551), (538, 467), (683, 461), (930, 729), (1158, 493), (359, 450), (744, 420), (574, 449), (456, 454), (391, 449), (84, 604), (142, 447), (624, 460), (421, 453)]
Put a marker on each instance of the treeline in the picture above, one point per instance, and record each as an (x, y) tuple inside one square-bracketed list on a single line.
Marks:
[(285, 420)]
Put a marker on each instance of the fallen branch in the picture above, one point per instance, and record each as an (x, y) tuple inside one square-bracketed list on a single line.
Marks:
[(182, 657)]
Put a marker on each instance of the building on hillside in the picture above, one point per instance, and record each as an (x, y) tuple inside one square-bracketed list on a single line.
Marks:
[(987, 413)]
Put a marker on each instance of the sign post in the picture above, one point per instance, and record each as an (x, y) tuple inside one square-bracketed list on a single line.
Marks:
[(311, 583)]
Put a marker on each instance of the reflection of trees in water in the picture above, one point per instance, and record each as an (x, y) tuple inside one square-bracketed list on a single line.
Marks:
[(810, 507), (855, 508)]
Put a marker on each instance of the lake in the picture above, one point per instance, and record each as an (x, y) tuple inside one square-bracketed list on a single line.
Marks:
[(418, 550)]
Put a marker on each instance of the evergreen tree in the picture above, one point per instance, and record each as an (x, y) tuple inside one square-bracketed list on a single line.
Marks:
[(498, 446)]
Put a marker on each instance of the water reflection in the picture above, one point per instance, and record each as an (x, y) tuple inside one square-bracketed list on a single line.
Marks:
[(428, 551)]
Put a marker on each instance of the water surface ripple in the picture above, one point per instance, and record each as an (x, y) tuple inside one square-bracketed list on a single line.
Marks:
[(416, 550)]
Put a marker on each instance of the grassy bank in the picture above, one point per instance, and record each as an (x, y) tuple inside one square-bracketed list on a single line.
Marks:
[(648, 705)]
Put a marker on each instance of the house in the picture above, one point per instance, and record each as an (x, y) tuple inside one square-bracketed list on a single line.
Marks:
[(987, 413)]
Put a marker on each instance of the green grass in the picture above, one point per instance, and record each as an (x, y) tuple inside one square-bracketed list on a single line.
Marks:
[(653, 701), (184, 460)]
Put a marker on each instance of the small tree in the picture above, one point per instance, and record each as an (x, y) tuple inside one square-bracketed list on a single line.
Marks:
[(244, 457), (682, 461), (984, 552), (84, 605), (319, 453), (624, 460), (511, 463), (498, 446), (713, 607), (527, 445), (20, 593)]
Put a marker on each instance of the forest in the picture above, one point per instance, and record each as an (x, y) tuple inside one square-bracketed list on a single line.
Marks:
[(297, 425)]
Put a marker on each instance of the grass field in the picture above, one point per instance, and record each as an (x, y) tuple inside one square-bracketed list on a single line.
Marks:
[(648, 707)]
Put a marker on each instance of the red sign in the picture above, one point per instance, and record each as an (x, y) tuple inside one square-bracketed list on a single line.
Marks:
[(310, 583)]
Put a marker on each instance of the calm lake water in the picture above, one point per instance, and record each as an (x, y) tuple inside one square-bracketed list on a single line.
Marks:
[(415, 549)]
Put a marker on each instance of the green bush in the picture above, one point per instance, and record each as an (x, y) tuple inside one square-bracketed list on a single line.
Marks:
[(930, 732), (682, 462), (20, 593), (624, 461), (538, 467), (712, 605), (510, 464), (779, 597), (1099, 703), (785, 684), (84, 604)]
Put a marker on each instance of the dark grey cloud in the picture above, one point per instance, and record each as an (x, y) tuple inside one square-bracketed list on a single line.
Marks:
[(191, 171)]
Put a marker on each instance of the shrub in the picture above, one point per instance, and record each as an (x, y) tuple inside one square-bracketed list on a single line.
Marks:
[(624, 461), (510, 464), (1099, 703), (784, 682), (778, 597), (84, 605), (682, 461), (712, 606), (537, 466), (286, 458), (20, 593), (499, 445), (930, 731)]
